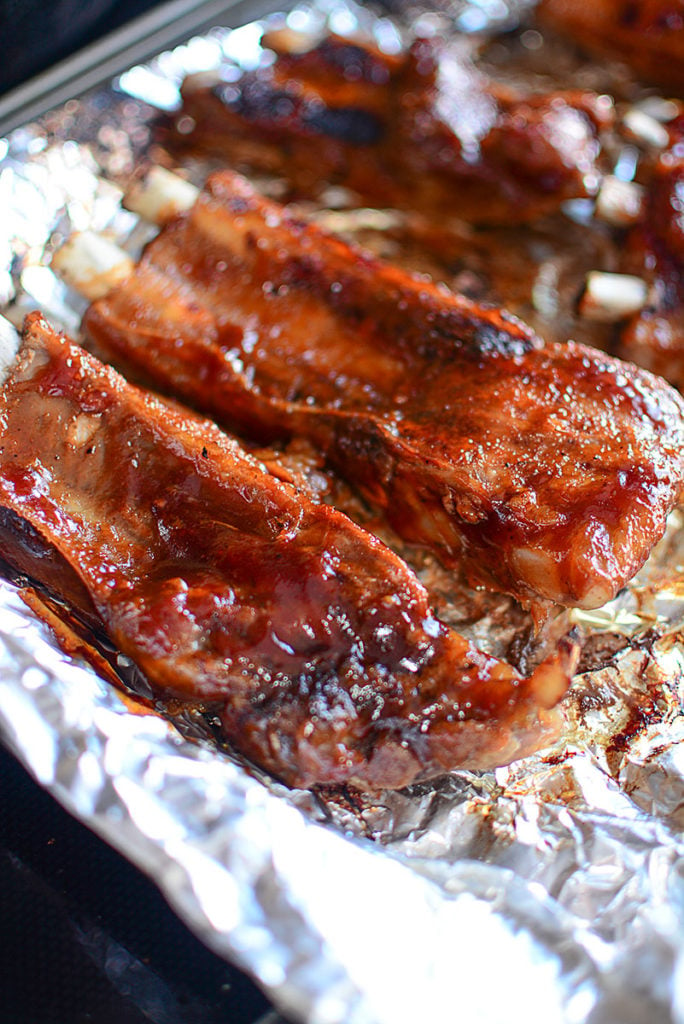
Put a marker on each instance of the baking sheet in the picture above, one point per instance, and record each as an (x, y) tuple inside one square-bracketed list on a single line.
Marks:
[(551, 890)]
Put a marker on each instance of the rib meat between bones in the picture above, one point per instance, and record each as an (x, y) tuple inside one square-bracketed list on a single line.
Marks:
[(424, 131), (548, 471), (313, 641)]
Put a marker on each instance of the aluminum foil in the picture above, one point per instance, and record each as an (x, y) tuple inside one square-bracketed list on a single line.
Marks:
[(548, 891)]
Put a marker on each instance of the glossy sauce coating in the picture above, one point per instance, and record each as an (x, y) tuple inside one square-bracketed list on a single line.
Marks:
[(313, 641), (547, 471), (424, 131)]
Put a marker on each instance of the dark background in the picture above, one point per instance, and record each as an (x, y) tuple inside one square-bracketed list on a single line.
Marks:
[(38, 33), (85, 938)]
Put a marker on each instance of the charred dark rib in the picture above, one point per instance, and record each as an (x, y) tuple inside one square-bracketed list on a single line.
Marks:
[(230, 590), (424, 131), (547, 471), (257, 102)]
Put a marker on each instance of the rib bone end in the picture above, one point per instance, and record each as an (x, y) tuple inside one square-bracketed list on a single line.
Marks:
[(160, 195), (609, 298), (91, 264)]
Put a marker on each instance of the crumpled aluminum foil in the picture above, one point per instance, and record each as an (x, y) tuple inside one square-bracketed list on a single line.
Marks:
[(548, 891)]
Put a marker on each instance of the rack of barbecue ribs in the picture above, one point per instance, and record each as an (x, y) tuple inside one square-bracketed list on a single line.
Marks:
[(423, 131), (312, 641), (647, 35), (544, 471)]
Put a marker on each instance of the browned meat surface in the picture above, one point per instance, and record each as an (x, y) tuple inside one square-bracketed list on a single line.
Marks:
[(655, 337), (423, 131), (313, 641), (547, 471), (648, 34)]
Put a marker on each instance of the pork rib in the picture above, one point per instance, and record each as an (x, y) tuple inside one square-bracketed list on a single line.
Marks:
[(548, 471), (654, 338), (648, 36), (228, 588), (424, 131)]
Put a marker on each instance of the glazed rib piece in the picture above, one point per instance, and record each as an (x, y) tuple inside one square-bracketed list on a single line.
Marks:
[(648, 35), (547, 471), (423, 131), (313, 641), (655, 249)]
